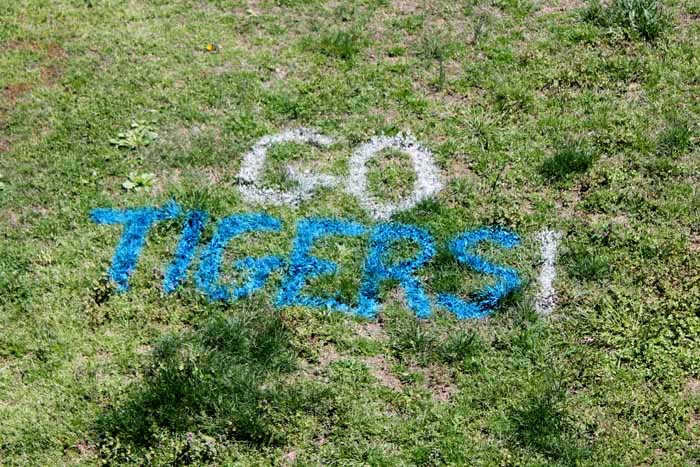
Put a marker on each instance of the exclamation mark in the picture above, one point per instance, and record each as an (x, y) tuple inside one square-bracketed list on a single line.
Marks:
[(546, 300)]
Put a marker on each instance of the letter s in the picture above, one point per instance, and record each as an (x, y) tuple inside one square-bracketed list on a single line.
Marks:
[(486, 299)]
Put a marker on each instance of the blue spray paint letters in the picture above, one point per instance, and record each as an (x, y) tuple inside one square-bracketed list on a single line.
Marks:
[(259, 270), (303, 265), (137, 223), (191, 231), (207, 278), (508, 279), (376, 270)]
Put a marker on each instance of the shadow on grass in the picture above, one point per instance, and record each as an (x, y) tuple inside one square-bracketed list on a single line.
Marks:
[(571, 158), (541, 423), (228, 381)]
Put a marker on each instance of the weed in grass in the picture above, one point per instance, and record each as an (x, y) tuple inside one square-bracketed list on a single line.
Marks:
[(518, 8), (396, 51), (693, 9), (662, 167), (469, 6), (512, 96), (290, 3), (102, 290), (342, 44), (390, 176), (449, 274), (675, 139), (572, 157), (411, 23), (140, 134), (645, 19), (481, 23), (426, 344), (586, 262), (410, 336), (345, 12), (138, 182), (435, 48), (541, 423), (595, 13), (485, 133), (460, 347)]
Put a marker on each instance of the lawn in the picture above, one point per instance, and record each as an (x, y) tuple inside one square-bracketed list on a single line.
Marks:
[(576, 118)]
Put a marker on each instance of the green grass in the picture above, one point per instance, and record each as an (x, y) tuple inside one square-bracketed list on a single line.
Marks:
[(570, 158), (561, 115), (644, 19)]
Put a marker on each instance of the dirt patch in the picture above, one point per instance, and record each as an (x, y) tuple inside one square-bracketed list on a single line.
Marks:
[(313, 368), (289, 458), (144, 349), (53, 50), (408, 6), (685, 19), (4, 145), (692, 387), (51, 54), (9, 216), (50, 75), (560, 6), (439, 380), (374, 331), (85, 450), (694, 422), (381, 369), (183, 137), (12, 92), (166, 178), (328, 355)]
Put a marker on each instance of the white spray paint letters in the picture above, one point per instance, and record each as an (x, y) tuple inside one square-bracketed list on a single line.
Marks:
[(427, 184), (427, 176), (253, 168)]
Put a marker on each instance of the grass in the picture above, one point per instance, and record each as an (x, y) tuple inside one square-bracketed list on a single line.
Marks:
[(571, 157), (340, 44), (644, 19), (579, 118)]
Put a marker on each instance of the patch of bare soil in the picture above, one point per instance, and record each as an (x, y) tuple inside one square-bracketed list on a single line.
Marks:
[(12, 92), (49, 73), (560, 6), (371, 330), (439, 380), (380, 368), (9, 216), (328, 355), (692, 387)]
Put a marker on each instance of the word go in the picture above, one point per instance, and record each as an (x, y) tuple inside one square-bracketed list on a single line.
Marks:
[(427, 175)]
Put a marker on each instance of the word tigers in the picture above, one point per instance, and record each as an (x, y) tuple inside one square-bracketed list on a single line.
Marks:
[(301, 265)]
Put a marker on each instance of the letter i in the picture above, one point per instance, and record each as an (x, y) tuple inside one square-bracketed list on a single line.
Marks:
[(191, 232)]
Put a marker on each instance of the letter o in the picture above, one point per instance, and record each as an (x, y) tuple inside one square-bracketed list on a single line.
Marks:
[(427, 174)]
